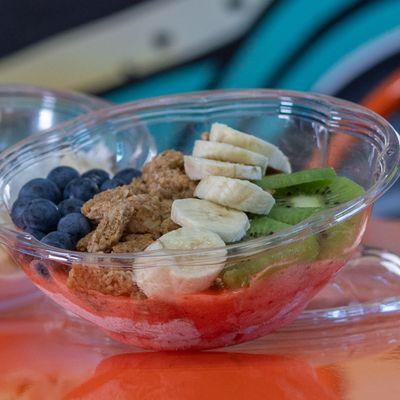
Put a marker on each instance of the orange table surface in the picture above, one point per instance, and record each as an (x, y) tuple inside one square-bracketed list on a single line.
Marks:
[(51, 356)]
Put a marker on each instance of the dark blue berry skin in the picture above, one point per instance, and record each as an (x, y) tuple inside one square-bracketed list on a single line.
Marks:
[(81, 188), (39, 235), (69, 206), (62, 175), (59, 239), (17, 211), (110, 184), (41, 269), (96, 175), (41, 189), (41, 214), (76, 225), (126, 175)]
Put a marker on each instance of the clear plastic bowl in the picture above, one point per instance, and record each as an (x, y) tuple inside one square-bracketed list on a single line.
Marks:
[(25, 110), (287, 269)]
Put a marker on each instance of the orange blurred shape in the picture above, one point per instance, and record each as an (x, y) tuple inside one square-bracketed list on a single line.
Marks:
[(37, 361), (194, 376), (384, 100)]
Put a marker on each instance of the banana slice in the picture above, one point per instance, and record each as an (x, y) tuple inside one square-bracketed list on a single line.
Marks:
[(230, 225), (235, 193), (230, 153), (181, 275), (198, 168), (224, 134)]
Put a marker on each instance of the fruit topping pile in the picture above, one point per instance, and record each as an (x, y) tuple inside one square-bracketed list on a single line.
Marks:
[(233, 187)]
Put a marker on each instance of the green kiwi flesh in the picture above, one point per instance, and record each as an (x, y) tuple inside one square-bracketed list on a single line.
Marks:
[(264, 226), (241, 274), (297, 203), (321, 194), (340, 240), (334, 242), (292, 215), (279, 181)]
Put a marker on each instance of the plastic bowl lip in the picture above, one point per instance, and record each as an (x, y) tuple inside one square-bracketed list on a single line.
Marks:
[(85, 101), (25, 244)]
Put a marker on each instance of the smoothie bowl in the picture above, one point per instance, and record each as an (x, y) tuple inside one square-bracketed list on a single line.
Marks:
[(26, 110), (257, 199)]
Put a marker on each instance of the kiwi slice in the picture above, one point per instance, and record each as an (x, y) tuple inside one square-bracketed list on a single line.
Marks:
[(240, 275), (264, 226), (278, 181), (322, 194), (334, 242), (292, 215), (340, 240)]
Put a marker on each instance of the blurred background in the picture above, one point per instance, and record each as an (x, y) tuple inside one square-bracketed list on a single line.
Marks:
[(126, 50)]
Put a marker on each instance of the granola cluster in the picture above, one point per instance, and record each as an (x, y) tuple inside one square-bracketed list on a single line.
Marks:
[(104, 280), (128, 219)]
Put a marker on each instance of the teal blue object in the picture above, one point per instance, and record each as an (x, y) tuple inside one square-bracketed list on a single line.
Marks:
[(368, 23), (277, 36), (182, 79), (288, 25)]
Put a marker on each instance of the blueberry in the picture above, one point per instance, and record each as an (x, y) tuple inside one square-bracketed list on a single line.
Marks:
[(75, 224), (59, 239), (110, 184), (69, 206), (62, 175), (81, 188), (17, 211), (41, 269), (39, 235), (41, 189), (41, 214), (96, 175), (126, 175)]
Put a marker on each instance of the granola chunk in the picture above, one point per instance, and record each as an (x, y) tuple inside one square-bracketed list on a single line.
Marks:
[(165, 176), (82, 245), (168, 225), (149, 214), (103, 202), (133, 243), (116, 282), (169, 159), (111, 227), (171, 184), (138, 186)]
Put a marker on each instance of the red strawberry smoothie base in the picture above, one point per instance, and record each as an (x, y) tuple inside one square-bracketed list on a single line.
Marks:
[(14, 284), (198, 321)]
